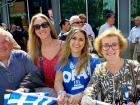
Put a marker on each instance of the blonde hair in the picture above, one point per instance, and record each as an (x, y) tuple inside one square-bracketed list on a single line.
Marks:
[(66, 51), (34, 42), (10, 39), (82, 16), (111, 33)]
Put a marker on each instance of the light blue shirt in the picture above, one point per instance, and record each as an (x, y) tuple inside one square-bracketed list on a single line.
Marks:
[(134, 33), (105, 27)]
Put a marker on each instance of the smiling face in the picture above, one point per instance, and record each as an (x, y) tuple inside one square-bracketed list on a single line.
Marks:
[(77, 43), (42, 32), (110, 47)]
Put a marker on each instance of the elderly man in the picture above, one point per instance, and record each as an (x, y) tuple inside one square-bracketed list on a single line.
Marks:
[(14, 64), (134, 37), (75, 21), (110, 20)]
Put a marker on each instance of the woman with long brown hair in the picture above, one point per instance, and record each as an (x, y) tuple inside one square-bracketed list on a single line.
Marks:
[(75, 68), (43, 43), (44, 49)]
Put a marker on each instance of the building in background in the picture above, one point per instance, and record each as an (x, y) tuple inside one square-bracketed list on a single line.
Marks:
[(21, 11)]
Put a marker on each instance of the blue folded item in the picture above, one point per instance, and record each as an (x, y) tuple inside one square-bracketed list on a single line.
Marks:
[(20, 98)]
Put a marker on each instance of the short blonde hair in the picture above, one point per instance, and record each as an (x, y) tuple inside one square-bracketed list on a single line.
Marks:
[(111, 33)]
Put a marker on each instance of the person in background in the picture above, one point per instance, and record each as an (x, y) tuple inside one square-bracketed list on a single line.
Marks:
[(50, 15), (134, 36), (117, 79), (75, 21), (110, 20), (18, 36), (3, 26), (88, 29), (25, 33), (14, 64), (65, 27), (74, 69)]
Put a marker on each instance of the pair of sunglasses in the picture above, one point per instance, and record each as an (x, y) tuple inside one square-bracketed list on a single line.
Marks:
[(43, 25), (77, 22)]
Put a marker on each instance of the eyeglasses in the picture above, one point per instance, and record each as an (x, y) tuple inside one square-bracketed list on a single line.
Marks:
[(107, 46), (43, 25), (77, 22)]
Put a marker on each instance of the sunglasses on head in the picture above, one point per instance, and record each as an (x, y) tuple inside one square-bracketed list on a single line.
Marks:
[(43, 25)]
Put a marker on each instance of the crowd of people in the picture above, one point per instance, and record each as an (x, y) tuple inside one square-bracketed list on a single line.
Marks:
[(39, 60)]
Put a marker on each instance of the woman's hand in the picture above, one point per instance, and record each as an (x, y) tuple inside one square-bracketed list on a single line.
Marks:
[(130, 103), (62, 99), (23, 90), (75, 99)]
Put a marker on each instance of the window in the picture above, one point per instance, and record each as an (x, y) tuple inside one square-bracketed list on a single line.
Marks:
[(135, 10), (96, 10)]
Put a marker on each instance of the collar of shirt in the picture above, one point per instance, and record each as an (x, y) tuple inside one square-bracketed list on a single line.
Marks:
[(108, 25), (2, 64)]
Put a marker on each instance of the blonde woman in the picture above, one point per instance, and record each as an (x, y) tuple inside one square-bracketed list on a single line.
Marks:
[(43, 43), (44, 48), (74, 69), (117, 79)]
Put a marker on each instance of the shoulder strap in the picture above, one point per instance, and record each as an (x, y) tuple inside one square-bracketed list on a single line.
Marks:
[(41, 64), (131, 67), (61, 43)]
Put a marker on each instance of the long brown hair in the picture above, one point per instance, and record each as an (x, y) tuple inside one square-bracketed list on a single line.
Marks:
[(34, 42), (66, 51)]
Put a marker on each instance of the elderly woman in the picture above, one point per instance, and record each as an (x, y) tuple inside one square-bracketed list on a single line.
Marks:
[(117, 79), (75, 68)]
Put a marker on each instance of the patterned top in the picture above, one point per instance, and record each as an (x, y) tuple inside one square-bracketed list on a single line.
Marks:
[(112, 86)]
